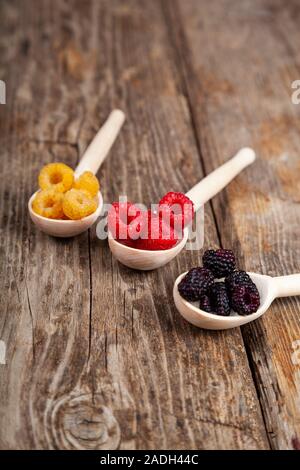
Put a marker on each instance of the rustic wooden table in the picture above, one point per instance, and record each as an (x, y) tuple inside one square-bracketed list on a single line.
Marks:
[(97, 356)]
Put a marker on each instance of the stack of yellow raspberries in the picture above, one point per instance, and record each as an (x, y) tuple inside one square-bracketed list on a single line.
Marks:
[(63, 197)]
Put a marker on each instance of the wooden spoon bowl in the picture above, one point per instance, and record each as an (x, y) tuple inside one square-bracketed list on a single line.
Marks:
[(64, 228), (145, 260)]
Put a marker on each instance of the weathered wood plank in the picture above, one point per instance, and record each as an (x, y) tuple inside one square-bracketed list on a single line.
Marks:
[(97, 356), (239, 60)]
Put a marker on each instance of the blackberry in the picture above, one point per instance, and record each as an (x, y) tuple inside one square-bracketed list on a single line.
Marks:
[(220, 302), (245, 299), (195, 283), (238, 278), (220, 262), (205, 303)]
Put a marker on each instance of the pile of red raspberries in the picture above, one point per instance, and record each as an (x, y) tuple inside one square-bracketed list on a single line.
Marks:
[(160, 229)]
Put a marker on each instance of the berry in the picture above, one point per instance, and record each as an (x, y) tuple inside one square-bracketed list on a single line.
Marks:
[(245, 299), (48, 203), (205, 303), (56, 176), (125, 222), (237, 278), (158, 235), (195, 283), (89, 182), (221, 262), (130, 243), (177, 210), (220, 302), (77, 204)]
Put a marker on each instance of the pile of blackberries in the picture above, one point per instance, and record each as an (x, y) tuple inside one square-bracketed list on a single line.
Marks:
[(236, 292)]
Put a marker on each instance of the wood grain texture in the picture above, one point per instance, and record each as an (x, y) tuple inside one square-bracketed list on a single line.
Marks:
[(239, 60), (97, 356)]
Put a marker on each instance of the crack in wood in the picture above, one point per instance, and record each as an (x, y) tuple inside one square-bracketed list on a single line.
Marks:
[(31, 318), (182, 61), (90, 297), (48, 142), (17, 287), (211, 421)]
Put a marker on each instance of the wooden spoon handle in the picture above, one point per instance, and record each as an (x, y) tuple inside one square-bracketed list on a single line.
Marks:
[(219, 178), (287, 285), (101, 144)]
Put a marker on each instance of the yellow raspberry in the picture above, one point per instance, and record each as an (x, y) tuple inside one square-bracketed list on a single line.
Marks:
[(76, 204), (56, 176), (87, 193), (48, 203), (89, 182)]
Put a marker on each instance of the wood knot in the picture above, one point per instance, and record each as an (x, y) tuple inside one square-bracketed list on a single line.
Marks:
[(83, 422)]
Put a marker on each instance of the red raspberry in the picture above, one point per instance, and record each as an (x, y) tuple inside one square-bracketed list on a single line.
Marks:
[(177, 210), (160, 236), (125, 222)]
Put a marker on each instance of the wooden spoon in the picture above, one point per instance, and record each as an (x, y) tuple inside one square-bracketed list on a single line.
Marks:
[(91, 161), (207, 188), (269, 288)]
